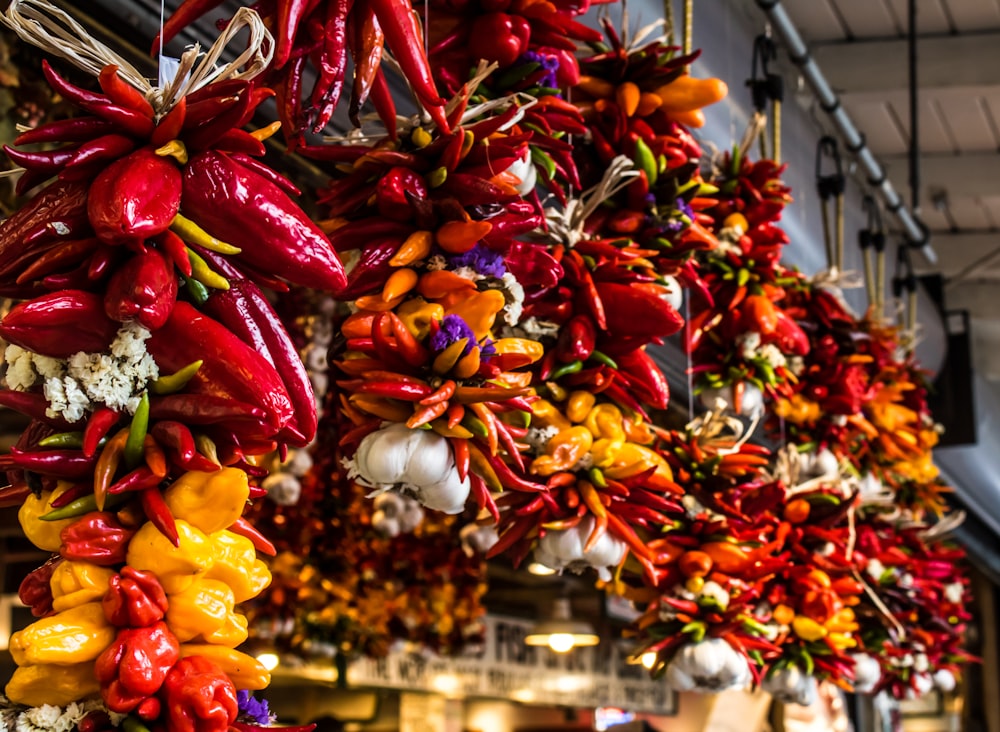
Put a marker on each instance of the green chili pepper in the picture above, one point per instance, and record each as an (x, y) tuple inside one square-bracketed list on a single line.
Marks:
[(137, 433), (437, 177), (604, 358), (646, 161), (542, 158), (176, 381), (201, 272), (754, 626), (475, 426), (743, 276), (574, 367), (198, 291), (190, 232), (83, 505), (696, 628), (63, 439), (131, 724), (597, 478)]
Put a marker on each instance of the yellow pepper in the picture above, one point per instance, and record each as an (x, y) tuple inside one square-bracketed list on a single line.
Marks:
[(233, 632), (808, 629), (532, 350), (200, 610), (76, 583), (842, 640), (50, 684), (176, 567), (564, 451), (43, 534), (417, 315), (637, 430), (479, 310), (633, 459), (606, 420), (546, 414), (798, 410), (72, 636), (579, 404), (209, 501), (605, 451), (237, 565), (842, 622), (246, 672)]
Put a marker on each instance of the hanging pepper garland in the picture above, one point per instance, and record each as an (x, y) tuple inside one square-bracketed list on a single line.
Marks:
[(489, 354)]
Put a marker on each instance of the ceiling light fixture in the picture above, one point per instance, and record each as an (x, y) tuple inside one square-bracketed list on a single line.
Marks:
[(560, 632)]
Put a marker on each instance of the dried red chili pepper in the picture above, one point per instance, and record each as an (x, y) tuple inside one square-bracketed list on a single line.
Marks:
[(143, 289), (60, 324), (35, 590)]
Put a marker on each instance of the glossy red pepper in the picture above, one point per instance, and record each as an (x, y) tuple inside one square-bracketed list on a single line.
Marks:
[(134, 198), (238, 206), (332, 65), (136, 665), (199, 697), (247, 313), (60, 324), (158, 513), (98, 538), (143, 289), (633, 311), (500, 38), (178, 439), (56, 463), (135, 599), (230, 369), (576, 339), (35, 590)]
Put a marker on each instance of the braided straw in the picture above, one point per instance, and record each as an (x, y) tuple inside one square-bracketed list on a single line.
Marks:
[(51, 29)]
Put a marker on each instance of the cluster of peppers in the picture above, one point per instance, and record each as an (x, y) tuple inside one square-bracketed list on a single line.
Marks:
[(745, 338), (155, 372)]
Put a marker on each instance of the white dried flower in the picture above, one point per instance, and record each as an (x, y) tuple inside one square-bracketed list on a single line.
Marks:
[(20, 372), (437, 262), (48, 367), (515, 298), (539, 329), (748, 343), (468, 273), (954, 592), (773, 355)]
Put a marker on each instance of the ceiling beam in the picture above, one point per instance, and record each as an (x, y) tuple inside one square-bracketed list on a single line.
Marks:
[(966, 175), (876, 67), (977, 252)]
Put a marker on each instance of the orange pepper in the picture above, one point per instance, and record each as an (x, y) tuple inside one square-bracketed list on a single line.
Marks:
[(438, 284), (687, 94), (456, 237), (729, 558)]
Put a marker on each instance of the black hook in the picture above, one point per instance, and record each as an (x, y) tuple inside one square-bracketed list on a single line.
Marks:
[(768, 87), (904, 280), (874, 234), (833, 185)]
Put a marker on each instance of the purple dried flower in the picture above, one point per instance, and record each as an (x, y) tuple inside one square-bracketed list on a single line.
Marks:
[(453, 329), (482, 260), (684, 208), (251, 708), (549, 63)]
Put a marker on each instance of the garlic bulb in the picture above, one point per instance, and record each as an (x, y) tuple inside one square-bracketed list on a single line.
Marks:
[(282, 488), (709, 666), (792, 686), (477, 539), (944, 680), (564, 549), (396, 514), (418, 462), (819, 464), (867, 672), (920, 685), (674, 293), (524, 169), (751, 404)]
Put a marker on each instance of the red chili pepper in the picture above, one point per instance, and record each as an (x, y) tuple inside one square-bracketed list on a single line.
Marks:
[(77, 129), (98, 538), (202, 409), (137, 480), (60, 324), (169, 128), (143, 289), (266, 172), (14, 495), (56, 463), (102, 420), (244, 528), (484, 499), (227, 199), (159, 515), (332, 64), (59, 255)]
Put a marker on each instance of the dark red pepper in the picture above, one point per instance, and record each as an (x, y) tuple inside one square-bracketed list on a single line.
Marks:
[(199, 697), (576, 339), (98, 538), (36, 589), (135, 599), (60, 324), (143, 289)]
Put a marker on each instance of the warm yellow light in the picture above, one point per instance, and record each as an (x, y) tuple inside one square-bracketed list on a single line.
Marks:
[(561, 642), (648, 659), (269, 661), (540, 569)]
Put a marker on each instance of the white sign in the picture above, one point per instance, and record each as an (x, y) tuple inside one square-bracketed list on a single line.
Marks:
[(508, 669)]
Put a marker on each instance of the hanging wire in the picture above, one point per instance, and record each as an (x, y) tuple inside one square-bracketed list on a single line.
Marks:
[(831, 186), (767, 88), (668, 16)]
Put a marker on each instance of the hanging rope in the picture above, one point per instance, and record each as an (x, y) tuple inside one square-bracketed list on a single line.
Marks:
[(688, 25), (831, 186), (906, 281), (51, 29), (873, 237), (767, 88)]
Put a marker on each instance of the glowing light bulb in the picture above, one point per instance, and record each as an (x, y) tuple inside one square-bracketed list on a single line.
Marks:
[(269, 661), (561, 642), (648, 659)]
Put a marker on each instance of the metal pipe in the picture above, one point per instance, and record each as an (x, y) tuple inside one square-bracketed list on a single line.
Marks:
[(916, 234)]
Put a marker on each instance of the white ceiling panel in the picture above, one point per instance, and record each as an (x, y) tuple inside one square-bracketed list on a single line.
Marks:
[(968, 120), (881, 130), (935, 221), (867, 18), (975, 15), (816, 20), (969, 213)]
